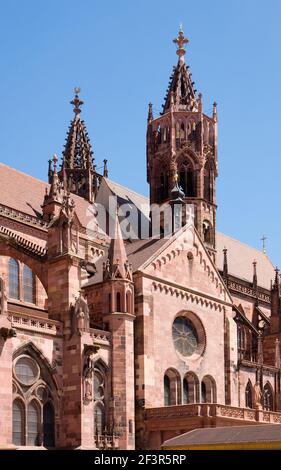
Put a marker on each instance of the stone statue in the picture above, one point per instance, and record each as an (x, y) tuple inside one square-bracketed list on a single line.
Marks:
[(80, 316), (257, 396), (88, 378)]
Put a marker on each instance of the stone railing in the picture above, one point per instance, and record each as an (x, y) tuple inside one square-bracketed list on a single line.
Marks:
[(100, 336), (213, 410), (107, 441), (24, 322), (22, 217)]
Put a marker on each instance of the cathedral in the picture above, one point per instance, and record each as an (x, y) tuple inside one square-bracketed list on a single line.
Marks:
[(116, 335)]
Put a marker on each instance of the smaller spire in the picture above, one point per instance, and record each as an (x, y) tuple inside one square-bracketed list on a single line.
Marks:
[(55, 185), (150, 113), (117, 265), (76, 102), (105, 169), (225, 265), (255, 277), (215, 112), (275, 285), (181, 41)]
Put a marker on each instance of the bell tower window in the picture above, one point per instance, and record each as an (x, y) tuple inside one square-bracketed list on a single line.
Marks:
[(207, 232), (187, 179), (208, 183)]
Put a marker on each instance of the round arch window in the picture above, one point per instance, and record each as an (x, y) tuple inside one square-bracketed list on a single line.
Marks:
[(185, 336), (26, 370)]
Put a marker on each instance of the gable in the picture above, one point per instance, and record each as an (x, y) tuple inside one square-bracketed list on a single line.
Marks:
[(184, 261)]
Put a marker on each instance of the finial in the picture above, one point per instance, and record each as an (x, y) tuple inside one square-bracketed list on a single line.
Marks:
[(55, 161), (76, 102), (263, 239), (255, 278), (276, 280), (181, 41), (150, 113), (225, 264)]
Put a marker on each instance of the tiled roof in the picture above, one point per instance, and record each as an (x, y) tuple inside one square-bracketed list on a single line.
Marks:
[(140, 251), (240, 259), (25, 193), (228, 434)]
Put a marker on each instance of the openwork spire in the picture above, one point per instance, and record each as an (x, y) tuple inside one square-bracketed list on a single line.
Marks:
[(181, 93), (77, 151), (78, 169)]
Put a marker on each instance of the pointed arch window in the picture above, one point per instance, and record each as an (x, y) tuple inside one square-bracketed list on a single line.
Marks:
[(172, 388), (208, 183), (118, 302), (249, 395), (14, 290), (203, 393), (208, 390), (268, 397), (18, 423), (207, 232), (100, 403), (33, 420), (187, 179), (28, 285), (190, 388), (167, 391), (129, 302)]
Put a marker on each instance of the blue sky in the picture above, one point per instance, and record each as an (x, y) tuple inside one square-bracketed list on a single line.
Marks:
[(121, 55)]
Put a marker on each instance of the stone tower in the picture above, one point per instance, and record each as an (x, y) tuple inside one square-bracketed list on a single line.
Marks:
[(183, 141)]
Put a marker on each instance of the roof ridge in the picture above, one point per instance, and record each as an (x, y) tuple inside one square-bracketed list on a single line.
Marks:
[(245, 244), (126, 187), (23, 173)]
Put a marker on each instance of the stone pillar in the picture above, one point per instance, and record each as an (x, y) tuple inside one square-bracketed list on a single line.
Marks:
[(121, 326)]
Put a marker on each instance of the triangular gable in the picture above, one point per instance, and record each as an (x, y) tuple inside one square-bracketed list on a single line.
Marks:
[(184, 260)]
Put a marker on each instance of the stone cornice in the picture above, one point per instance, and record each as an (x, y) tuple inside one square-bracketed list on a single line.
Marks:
[(22, 243), (195, 296)]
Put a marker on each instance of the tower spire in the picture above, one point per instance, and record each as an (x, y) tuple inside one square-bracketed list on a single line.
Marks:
[(78, 169)]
